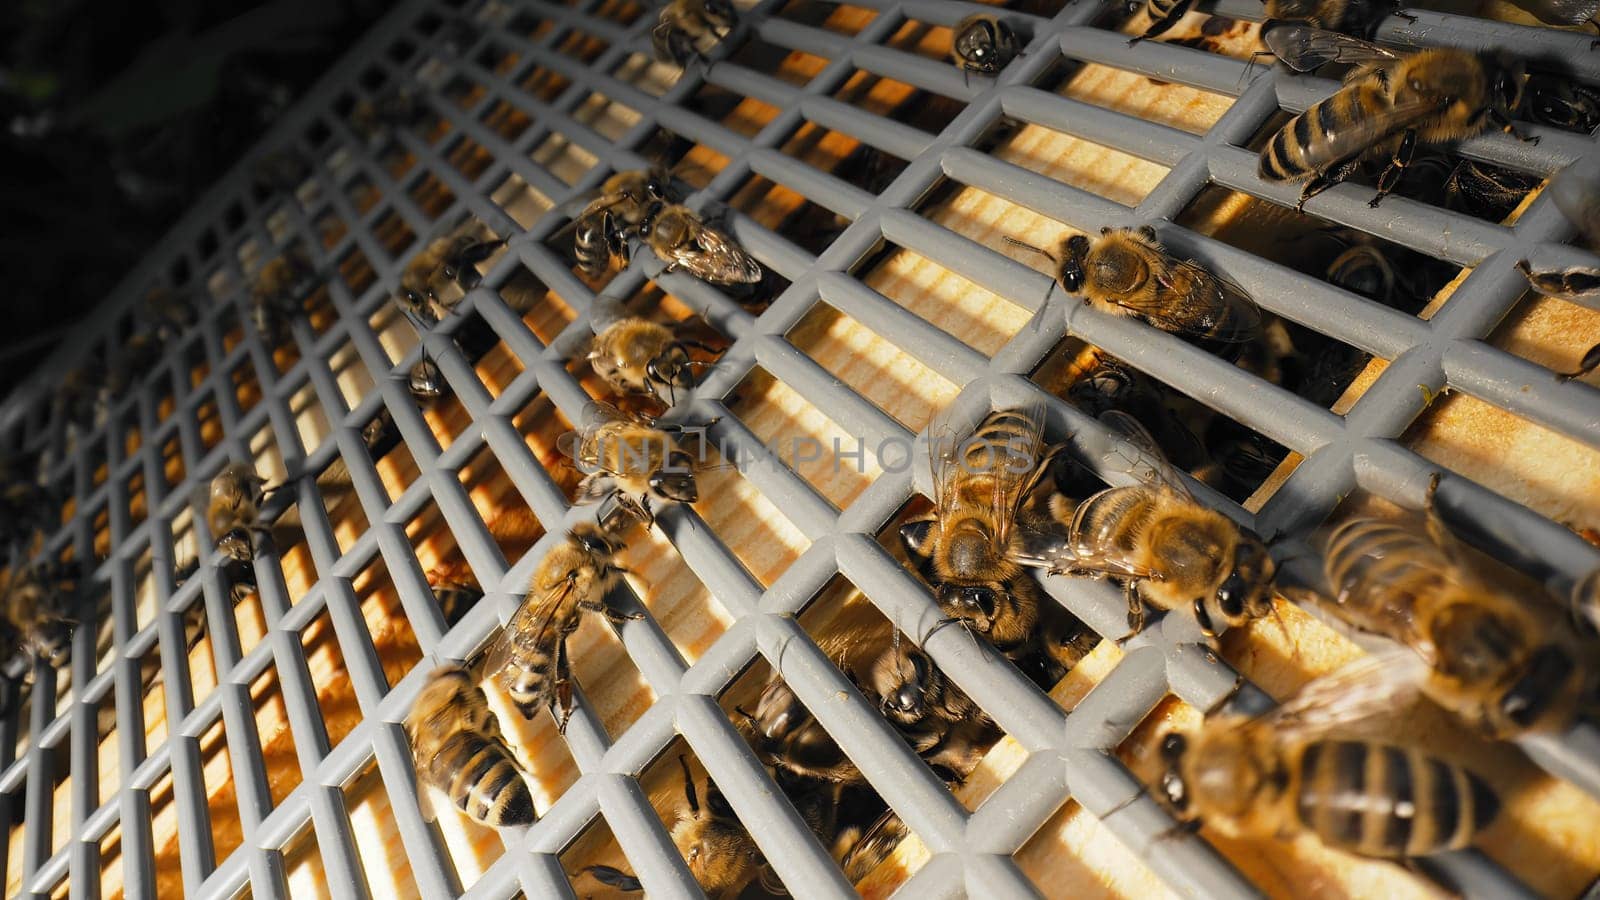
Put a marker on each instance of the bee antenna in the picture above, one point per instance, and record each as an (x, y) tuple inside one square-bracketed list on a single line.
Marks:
[(688, 785), (1027, 246)]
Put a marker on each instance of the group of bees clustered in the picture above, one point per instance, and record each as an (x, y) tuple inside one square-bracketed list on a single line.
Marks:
[(1503, 664), (1507, 664)]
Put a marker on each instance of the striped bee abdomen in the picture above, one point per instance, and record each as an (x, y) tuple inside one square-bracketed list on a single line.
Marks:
[(592, 242), (1385, 801), (1298, 150), (531, 679), (484, 781), (1379, 569)]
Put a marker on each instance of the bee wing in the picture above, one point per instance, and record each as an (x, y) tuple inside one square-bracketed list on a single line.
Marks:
[(1562, 12), (1349, 141), (714, 256), (1200, 303), (1376, 686), (527, 629), (1140, 456), (1304, 47)]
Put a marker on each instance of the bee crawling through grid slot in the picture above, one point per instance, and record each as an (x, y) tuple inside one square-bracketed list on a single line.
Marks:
[(826, 449)]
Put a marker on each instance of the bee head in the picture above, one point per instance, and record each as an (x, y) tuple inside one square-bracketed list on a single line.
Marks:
[(671, 368), (675, 480), (1507, 84), (906, 697), (1173, 747), (1540, 682), (974, 603), (1246, 593), (1072, 261), (594, 541)]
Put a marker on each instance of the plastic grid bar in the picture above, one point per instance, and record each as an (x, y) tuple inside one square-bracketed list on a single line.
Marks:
[(1070, 754)]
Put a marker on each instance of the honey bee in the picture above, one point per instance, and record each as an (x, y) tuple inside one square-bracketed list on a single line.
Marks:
[(456, 742), (1110, 384), (1163, 15), (1288, 771), (636, 356), (1492, 658), (424, 285), (1126, 272), (1171, 551), (233, 508), (984, 43), (1562, 102), (970, 547), (1391, 105), (630, 459), (279, 294), (34, 615), (684, 241), (786, 735), (601, 230), (425, 381), (688, 29), (1485, 191), (530, 657)]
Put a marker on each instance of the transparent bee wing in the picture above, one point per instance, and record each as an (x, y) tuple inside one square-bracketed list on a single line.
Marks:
[(1356, 138), (1304, 47), (527, 629), (1139, 455), (1377, 686), (1092, 539), (714, 256)]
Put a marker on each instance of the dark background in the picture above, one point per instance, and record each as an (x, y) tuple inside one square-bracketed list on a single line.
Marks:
[(115, 116)]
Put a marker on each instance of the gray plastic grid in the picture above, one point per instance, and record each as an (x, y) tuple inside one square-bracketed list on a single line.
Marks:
[(1070, 755)]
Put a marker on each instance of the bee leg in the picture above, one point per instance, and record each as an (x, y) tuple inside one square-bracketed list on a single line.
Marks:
[(1325, 180), (1510, 127), (1130, 592), (1590, 362), (1397, 167), (561, 703)]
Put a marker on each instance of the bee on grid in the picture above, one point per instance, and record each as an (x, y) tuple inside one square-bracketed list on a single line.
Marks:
[(971, 547), (631, 459), (530, 656), (984, 44), (232, 501), (1506, 664), (279, 294), (436, 279), (1168, 549), (601, 230), (1291, 771), (689, 29), (683, 240), (637, 356), (458, 749), (1391, 105)]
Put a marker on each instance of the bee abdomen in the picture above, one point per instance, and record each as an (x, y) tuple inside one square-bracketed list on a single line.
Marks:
[(1289, 155), (1371, 562), (1000, 435), (487, 783), (1385, 801), (529, 685), (591, 246)]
